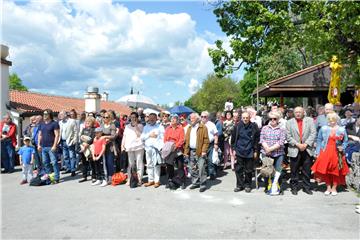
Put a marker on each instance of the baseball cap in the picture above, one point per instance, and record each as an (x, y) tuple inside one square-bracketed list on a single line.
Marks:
[(27, 138)]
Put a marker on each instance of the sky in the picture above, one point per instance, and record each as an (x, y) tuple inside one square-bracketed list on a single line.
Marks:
[(158, 48)]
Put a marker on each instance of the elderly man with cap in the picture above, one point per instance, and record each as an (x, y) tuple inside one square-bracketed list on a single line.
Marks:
[(213, 145), (153, 138), (165, 119), (348, 118), (196, 147)]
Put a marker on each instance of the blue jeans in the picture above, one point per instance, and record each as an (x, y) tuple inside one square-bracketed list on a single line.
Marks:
[(48, 157), (278, 163), (69, 155), (109, 162), (7, 155)]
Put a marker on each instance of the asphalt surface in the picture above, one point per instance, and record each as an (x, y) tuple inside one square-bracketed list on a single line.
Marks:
[(72, 210)]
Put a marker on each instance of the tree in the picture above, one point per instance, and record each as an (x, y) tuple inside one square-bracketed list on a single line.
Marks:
[(15, 83), (317, 29), (270, 67), (213, 94)]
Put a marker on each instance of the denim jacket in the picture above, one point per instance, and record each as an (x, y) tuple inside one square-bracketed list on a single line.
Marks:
[(323, 137)]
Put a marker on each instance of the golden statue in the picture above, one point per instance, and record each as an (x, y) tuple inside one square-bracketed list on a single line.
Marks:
[(334, 88), (357, 94)]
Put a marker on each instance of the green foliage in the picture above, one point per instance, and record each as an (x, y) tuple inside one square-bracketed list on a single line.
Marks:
[(270, 67), (316, 29), (213, 94), (15, 83)]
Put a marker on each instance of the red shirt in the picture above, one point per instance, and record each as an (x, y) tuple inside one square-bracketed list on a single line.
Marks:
[(11, 133), (98, 145), (300, 125), (175, 135)]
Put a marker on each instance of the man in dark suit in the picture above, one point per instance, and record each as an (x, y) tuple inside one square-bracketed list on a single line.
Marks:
[(353, 132)]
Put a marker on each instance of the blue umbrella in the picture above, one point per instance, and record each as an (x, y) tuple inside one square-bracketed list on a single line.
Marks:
[(181, 110)]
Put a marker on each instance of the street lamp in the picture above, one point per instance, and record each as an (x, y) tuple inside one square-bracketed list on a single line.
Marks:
[(257, 83)]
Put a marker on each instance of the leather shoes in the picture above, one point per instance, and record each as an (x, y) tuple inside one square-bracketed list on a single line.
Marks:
[(238, 189), (156, 185), (202, 189), (294, 192), (148, 184), (73, 174), (307, 191), (194, 186), (82, 180)]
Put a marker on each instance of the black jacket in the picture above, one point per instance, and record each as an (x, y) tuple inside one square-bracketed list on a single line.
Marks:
[(255, 137)]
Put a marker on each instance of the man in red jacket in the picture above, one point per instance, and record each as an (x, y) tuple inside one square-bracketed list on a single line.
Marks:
[(8, 143)]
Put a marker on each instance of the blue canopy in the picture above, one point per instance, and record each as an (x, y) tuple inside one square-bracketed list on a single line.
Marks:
[(181, 110)]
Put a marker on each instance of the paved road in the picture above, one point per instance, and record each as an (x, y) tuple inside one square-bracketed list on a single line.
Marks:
[(71, 210)]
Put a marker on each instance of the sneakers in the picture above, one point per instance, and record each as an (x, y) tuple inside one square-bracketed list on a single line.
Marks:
[(97, 182), (334, 194), (104, 183), (327, 193)]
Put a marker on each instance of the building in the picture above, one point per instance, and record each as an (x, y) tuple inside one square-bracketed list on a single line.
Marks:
[(24, 104), (311, 83)]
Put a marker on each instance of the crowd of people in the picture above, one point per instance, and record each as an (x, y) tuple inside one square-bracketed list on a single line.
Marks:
[(189, 149)]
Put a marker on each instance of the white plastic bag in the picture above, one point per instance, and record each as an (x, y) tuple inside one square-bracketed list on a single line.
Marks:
[(215, 157)]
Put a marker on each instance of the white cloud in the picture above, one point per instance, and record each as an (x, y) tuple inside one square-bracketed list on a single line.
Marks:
[(136, 81), (180, 83), (194, 85), (168, 94), (67, 46)]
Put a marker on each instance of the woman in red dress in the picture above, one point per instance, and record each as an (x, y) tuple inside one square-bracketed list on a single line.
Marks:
[(330, 166)]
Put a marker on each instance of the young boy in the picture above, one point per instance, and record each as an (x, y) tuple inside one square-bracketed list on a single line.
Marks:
[(98, 149), (26, 154)]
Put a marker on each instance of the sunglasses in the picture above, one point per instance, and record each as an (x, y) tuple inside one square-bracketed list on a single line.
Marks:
[(273, 119), (203, 116), (106, 117)]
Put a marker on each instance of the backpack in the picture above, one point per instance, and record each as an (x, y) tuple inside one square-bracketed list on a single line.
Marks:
[(267, 168), (118, 178), (36, 181)]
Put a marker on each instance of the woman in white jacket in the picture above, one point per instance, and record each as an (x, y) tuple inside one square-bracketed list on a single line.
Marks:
[(134, 146)]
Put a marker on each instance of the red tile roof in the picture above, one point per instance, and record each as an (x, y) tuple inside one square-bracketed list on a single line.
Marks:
[(27, 102)]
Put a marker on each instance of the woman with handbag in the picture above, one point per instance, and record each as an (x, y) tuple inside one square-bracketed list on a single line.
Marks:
[(330, 165), (134, 146), (272, 140), (111, 151)]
